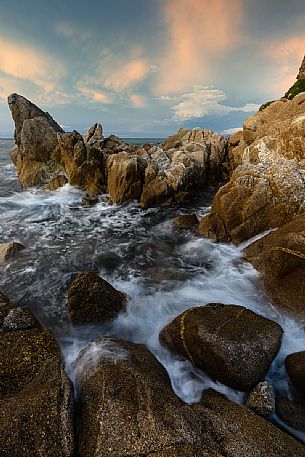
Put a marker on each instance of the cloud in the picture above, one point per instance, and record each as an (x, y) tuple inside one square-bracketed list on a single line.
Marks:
[(73, 33), (93, 94), (205, 101), (199, 31), (138, 101), (23, 62), (232, 130), (126, 74)]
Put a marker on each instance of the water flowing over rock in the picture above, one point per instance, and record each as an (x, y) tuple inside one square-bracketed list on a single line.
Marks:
[(280, 257), (36, 396), (93, 300), (268, 188), (228, 342), (47, 156)]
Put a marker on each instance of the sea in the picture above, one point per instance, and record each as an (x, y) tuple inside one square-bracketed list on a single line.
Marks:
[(163, 270)]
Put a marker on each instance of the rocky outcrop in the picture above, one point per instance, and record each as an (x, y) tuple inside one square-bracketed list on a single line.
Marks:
[(7, 250), (186, 221), (92, 300), (262, 399), (126, 406), (301, 74), (36, 395), (47, 156), (295, 366), (268, 188), (280, 257), (230, 343), (242, 433)]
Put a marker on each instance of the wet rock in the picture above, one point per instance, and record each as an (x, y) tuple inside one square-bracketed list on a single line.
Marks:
[(57, 182), (228, 342), (242, 433), (122, 383), (295, 366), (5, 307), (186, 221), (7, 250), (267, 189), (36, 396), (262, 400), (125, 175), (291, 412), (89, 199), (280, 257), (19, 319), (93, 300)]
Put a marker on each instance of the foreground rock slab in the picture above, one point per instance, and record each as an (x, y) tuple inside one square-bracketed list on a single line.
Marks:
[(92, 300), (280, 257), (228, 342), (36, 396)]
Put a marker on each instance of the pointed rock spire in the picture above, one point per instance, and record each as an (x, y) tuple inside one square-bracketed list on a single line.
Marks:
[(301, 74)]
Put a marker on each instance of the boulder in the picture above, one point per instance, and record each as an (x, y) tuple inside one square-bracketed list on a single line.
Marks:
[(267, 189), (295, 366), (292, 413), (94, 136), (280, 257), (228, 342), (7, 250), (242, 433), (262, 399), (92, 300), (36, 396), (126, 406), (186, 221), (5, 307)]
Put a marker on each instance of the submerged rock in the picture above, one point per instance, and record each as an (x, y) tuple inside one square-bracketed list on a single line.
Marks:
[(228, 342), (7, 250), (295, 366), (93, 300), (262, 399), (36, 396), (186, 221), (242, 433), (280, 257)]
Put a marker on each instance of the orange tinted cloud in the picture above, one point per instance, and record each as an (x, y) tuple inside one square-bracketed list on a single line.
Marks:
[(138, 101), (127, 75), (199, 31), (21, 61)]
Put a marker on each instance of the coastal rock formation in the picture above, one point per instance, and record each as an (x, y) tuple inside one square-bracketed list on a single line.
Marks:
[(242, 433), (280, 257), (36, 395), (268, 188), (7, 250), (93, 300), (228, 342), (186, 221), (292, 413), (47, 156), (262, 399), (126, 406), (295, 366)]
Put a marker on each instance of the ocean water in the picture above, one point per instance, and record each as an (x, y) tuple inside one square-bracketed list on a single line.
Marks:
[(163, 270)]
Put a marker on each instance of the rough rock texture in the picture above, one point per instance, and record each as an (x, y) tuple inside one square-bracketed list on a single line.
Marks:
[(94, 136), (241, 433), (93, 300), (9, 249), (268, 188), (280, 257), (295, 366), (186, 221), (127, 407), (35, 393), (291, 412), (228, 342), (262, 399), (301, 74)]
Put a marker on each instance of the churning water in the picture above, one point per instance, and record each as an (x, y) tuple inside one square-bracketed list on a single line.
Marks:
[(163, 270)]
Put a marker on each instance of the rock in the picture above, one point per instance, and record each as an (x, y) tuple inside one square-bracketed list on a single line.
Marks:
[(268, 189), (93, 300), (20, 319), (295, 366), (262, 399), (228, 342), (186, 221), (122, 383), (36, 396), (94, 136), (5, 307), (291, 412), (301, 74), (242, 433), (279, 256), (57, 182), (7, 250), (89, 199), (125, 175)]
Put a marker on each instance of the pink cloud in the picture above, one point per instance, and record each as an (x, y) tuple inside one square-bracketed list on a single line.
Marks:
[(127, 74)]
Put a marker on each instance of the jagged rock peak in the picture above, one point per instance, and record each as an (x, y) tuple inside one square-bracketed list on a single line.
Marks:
[(301, 74)]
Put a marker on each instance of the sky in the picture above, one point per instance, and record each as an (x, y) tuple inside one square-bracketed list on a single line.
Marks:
[(144, 68)]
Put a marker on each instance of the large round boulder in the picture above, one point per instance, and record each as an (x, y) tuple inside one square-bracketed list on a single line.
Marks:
[(230, 343), (92, 300)]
